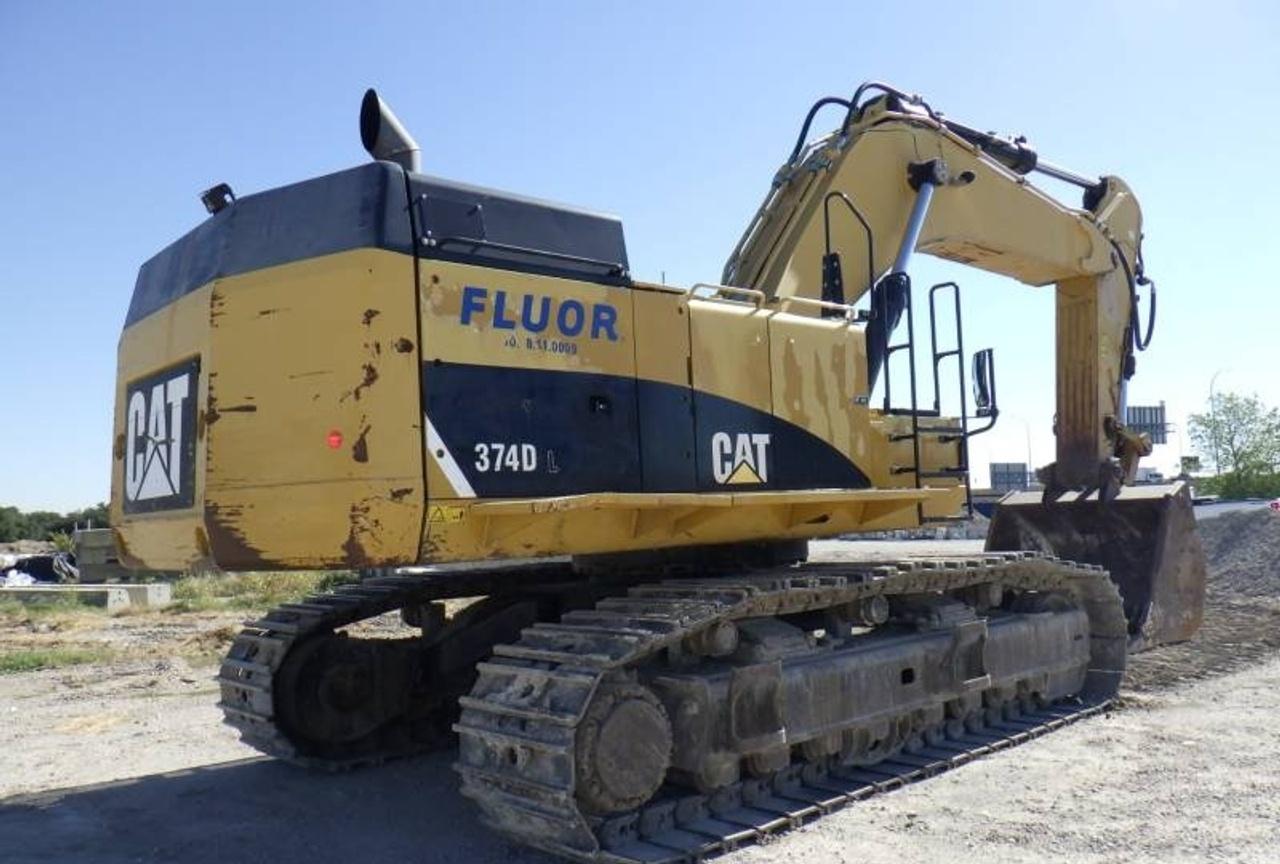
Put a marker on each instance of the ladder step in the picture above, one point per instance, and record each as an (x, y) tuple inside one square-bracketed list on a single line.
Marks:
[(946, 472)]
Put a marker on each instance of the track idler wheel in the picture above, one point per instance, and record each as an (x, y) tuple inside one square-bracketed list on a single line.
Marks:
[(623, 749), (333, 690)]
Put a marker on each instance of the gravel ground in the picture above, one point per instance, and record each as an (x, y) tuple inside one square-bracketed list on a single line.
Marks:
[(128, 762)]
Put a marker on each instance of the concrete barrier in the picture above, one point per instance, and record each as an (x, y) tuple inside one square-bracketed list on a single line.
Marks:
[(112, 597), (109, 597)]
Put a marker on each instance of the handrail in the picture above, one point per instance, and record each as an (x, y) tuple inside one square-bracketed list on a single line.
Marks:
[(849, 312), (758, 296), (866, 227), (611, 268), (938, 357)]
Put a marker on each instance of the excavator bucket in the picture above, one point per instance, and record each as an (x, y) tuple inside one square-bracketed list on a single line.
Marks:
[(1146, 538)]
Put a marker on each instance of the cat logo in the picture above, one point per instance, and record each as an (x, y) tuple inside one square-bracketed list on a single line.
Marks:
[(159, 440), (741, 458)]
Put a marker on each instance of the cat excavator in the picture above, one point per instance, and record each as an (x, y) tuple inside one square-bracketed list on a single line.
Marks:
[(464, 393)]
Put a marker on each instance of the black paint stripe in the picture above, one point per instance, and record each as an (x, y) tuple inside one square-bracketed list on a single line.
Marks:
[(589, 432)]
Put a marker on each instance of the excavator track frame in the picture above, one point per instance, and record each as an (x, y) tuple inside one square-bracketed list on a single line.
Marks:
[(548, 693), (505, 722)]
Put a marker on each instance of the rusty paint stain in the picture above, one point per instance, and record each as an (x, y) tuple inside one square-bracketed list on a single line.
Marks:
[(241, 409), (403, 345), (202, 543), (399, 494), (295, 376), (127, 558), (118, 450), (360, 449), (263, 313), (369, 315), (230, 547), (353, 547), (370, 378)]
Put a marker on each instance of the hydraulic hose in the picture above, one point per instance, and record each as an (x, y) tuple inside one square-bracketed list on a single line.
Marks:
[(808, 121), (1140, 341)]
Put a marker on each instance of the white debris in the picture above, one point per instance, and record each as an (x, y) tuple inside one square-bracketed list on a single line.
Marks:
[(16, 579)]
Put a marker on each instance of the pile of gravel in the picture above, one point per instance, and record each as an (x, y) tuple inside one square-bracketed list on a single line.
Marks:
[(1243, 552)]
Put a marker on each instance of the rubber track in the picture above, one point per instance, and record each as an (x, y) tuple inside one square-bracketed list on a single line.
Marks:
[(248, 672), (517, 731)]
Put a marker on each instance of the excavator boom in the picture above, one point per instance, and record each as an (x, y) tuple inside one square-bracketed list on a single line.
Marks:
[(914, 181)]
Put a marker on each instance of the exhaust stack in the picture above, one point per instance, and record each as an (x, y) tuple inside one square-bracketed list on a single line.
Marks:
[(384, 136)]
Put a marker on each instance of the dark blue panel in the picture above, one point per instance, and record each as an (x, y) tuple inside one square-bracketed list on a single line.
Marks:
[(577, 432), (666, 437), (358, 208), (573, 432), (740, 449)]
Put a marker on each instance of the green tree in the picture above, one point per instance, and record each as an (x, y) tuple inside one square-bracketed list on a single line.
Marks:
[(43, 524), (1239, 435), (13, 525), (95, 516)]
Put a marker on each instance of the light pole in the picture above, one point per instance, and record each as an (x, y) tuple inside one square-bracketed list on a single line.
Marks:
[(1213, 418), (1026, 428), (1177, 428)]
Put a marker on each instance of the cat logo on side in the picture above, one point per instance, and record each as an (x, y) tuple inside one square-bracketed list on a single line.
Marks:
[(741, 458)]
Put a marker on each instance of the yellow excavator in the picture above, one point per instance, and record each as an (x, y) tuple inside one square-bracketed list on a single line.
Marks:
[(464, 393)]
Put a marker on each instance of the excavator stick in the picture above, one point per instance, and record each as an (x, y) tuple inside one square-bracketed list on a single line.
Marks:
[(1146, 538)]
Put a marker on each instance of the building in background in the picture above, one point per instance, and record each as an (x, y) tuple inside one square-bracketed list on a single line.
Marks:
[(1149, 419), (1010, 477)]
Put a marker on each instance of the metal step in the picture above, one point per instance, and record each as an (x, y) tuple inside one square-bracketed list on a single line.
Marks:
[(946, 472)]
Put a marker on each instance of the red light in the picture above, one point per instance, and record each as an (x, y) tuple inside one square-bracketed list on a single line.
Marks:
[(333, 439)]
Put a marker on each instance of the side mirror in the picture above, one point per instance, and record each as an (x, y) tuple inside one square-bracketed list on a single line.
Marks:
[(984, 383)]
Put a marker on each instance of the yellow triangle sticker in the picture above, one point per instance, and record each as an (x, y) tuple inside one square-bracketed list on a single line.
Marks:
[(743, 474)]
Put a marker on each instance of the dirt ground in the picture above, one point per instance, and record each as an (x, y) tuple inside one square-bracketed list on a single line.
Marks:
[(126, 760)]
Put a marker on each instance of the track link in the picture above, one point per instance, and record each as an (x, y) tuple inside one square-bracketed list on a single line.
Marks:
[(248, 675), (518, 728)]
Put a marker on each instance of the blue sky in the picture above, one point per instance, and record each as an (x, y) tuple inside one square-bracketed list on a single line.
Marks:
[(673, 115)]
